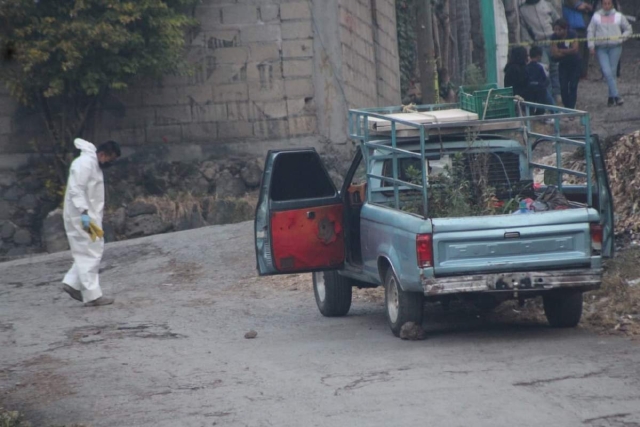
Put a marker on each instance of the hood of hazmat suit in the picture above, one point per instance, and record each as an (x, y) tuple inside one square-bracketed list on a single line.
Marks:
[(85, 191)]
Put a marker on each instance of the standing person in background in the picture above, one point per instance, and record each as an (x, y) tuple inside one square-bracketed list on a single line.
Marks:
[(446, 89), (557, 5), (608, 22), (538, 80), (537, 18), (577, 14), (597, 4), (568, 56), (515, 72)]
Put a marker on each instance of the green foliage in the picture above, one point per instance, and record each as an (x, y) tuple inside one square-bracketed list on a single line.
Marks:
[(452, 195), (12, 419), (449, 193), (474, 76), (82, 47), (62, 57)]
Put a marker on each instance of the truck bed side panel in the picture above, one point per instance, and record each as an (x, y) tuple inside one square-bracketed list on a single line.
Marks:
[(391, 234)]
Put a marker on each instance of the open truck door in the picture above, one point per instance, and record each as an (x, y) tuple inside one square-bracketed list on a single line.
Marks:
[(299, 217), (605, 206)]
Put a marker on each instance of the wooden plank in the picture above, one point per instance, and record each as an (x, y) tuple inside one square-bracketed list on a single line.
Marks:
[(472, 127), (426, 117)]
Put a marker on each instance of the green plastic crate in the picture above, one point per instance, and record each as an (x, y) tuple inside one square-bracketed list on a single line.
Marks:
[(475, 98)]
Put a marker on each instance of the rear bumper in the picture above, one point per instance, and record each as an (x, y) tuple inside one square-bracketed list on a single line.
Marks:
[(584, 279)]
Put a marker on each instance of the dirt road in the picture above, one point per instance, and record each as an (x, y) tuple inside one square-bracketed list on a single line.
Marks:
[(172, 352)]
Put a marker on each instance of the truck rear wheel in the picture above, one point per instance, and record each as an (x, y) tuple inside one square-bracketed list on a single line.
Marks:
[(563, 309), (401, 307), (332, 292)]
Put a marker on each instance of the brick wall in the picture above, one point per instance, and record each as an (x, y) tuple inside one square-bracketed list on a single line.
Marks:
[(253, 78)]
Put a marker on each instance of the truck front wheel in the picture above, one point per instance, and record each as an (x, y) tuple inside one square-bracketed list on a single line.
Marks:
[(401, 306), (333, 293), (563, 309)]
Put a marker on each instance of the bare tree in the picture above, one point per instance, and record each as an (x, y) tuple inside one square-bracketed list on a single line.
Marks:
[(445, 27), (454, 57), (426, 52), (513, 20), (464, 34), (477, 35), (436, 41)]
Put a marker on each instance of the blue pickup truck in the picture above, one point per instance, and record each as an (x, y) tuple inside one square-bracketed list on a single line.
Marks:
[(396, 222)]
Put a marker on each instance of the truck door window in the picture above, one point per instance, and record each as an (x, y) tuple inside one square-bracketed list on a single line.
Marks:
[(300, 176)]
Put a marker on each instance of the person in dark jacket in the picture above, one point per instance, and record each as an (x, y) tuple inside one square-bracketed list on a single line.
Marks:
[(538, 79), (515, 72), (568, 56), (577, 13), (537, 18), (446, 89)]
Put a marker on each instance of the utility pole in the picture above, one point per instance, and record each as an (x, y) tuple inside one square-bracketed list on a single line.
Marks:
[(490, 42), (426, 53)]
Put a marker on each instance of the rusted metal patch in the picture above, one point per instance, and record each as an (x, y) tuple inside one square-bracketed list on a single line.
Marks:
[(326, 231)]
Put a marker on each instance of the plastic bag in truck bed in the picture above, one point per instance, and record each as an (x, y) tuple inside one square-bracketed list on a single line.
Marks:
[(551, 199)]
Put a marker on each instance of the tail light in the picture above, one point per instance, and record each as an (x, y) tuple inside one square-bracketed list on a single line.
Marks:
[(424, 248), (596, 238)]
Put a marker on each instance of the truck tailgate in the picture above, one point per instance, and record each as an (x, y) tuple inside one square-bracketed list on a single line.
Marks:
[(554, 239)]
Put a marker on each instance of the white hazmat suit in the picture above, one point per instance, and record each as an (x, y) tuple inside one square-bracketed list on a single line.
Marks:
[(85, 191)]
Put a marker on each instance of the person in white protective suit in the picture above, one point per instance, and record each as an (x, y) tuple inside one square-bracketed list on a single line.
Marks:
[(84, 206)]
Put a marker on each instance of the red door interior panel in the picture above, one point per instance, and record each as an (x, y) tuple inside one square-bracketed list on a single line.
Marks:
[(307, 239)]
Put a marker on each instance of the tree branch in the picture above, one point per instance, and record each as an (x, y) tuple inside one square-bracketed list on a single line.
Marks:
[(45, 112)]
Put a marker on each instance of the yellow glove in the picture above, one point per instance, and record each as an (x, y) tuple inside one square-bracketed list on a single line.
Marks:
[(95, 232)]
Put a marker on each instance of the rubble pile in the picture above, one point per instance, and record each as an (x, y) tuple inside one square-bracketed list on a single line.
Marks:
[(623, 165)]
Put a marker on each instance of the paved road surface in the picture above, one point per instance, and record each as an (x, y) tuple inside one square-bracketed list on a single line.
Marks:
[(171, 352)]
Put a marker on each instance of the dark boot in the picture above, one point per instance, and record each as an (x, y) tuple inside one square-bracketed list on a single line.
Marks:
[(610, 102), (76, 295), (99, 302)]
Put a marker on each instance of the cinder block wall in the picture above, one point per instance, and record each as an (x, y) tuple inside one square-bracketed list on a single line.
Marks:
[(356, 61), (369, 44), (265, 71)]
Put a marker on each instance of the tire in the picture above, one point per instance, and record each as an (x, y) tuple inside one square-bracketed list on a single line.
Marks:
[(563, 309), (400, 306), (332, 292)]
